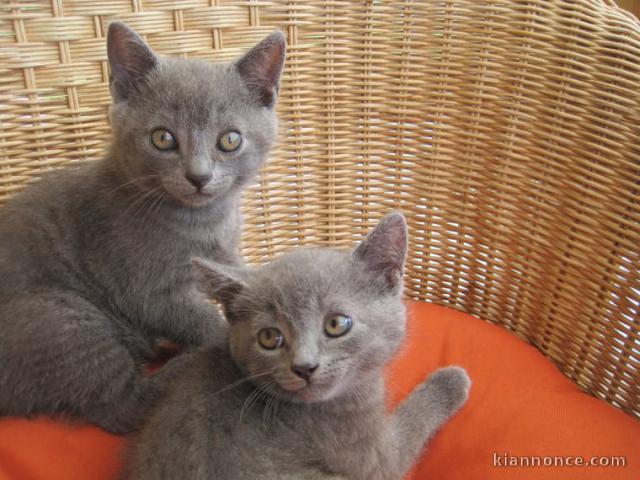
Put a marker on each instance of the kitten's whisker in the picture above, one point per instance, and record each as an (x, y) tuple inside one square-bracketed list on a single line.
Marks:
[(156, 201), (276, 403), (272, 404), (140, 202), (252, 399), (136, 201), (158, 206), (143, 211), (247, 403), (241, 381), (134, 180), (266, 412), (264, 394), (234, 385)]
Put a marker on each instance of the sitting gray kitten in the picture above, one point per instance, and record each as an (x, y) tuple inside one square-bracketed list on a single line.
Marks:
[(299, 391), (95, 261)]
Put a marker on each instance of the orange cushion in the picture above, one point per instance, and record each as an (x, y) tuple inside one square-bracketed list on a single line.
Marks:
[(520, 405)]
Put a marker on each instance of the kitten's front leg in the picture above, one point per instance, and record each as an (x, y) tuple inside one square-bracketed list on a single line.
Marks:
[(192, 321), (426, 409), (190, 318), (60, 354)]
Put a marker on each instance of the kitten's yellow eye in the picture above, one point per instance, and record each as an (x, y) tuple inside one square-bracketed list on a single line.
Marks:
[(163, 140), (270, 338), (230, 141), (337, 325)]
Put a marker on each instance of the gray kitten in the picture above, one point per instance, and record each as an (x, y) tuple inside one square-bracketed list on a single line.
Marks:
[(299, 391), (95, 261)]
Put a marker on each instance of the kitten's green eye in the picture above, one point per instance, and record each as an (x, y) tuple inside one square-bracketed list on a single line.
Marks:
[(270, 338), (337, 325), (163, 140), (230, 141)]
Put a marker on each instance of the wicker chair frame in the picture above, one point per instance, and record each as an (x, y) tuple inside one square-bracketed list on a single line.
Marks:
[(507, 131)]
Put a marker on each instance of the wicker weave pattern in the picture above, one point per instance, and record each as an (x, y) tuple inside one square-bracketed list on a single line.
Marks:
[(507, 131)]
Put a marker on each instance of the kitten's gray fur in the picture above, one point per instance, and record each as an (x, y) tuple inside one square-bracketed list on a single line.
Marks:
[(241, 413), (95, 261)]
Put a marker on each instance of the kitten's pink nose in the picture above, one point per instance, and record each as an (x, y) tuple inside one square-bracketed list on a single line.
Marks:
[(304, 370), (198, 181)]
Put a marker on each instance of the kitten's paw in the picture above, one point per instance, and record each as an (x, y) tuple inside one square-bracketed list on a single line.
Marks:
[(449, 387)]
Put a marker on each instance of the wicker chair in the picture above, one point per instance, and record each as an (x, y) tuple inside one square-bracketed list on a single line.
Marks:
[(507, 131)]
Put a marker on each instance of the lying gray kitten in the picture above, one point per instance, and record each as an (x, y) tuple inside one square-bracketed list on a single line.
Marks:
[(95, 261), (299, 392)]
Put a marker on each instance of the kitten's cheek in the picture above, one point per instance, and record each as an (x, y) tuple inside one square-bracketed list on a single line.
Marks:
[(218, 186), (176, 189)]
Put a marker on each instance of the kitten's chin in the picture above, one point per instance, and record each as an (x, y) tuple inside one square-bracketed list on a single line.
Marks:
[(197, 199), (308, 393)]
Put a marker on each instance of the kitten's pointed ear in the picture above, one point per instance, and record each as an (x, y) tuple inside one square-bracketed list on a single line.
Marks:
[(220, 282), (384, 251), (130, 60), (260, 68)]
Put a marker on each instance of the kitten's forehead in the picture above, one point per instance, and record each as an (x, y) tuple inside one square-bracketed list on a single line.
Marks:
[(194, 91), (308, 271), (304, 285)]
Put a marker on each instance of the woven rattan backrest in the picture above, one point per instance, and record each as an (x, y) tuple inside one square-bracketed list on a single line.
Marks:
[(507, 131)]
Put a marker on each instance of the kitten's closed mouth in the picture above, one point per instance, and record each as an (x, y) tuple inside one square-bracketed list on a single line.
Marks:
[(308, 392), (195, 197), (293, 386), (200, 193), (198, 198)]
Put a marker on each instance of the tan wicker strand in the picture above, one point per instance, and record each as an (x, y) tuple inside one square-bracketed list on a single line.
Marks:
[(507, 131)]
